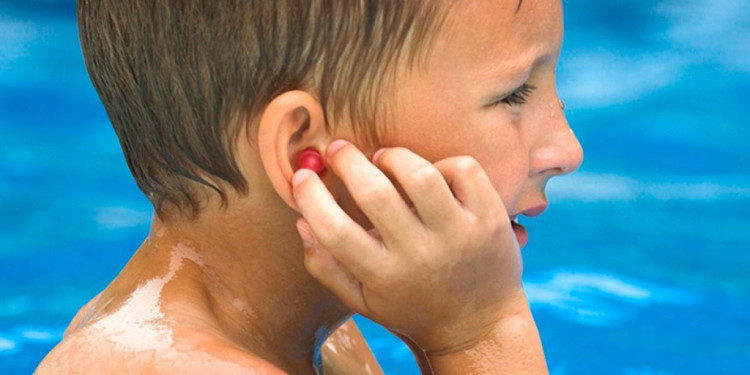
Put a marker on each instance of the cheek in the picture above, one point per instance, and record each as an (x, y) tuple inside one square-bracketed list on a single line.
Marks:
[(434, 129), (508, 173), (439, 125), (497, 145)]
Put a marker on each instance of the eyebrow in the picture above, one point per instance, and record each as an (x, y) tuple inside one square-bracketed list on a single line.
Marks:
[(520, 2)]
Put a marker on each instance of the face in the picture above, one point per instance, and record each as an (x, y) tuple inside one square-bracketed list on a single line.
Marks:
[(488, 90)]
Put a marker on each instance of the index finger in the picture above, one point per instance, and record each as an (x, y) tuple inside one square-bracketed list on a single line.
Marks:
[(471, 186), (373, 193), (346, 240)]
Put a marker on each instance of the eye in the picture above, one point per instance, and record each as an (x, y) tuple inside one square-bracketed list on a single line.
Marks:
[(518, 97)]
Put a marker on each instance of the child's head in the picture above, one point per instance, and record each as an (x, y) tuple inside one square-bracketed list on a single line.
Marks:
[(178, 79), (443, 78)]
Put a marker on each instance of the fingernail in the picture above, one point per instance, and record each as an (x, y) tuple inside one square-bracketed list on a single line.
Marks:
[(376, 155), (304, 233), (300, 175), (335, 146)]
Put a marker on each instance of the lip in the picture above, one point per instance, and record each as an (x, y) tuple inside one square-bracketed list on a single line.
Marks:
[(533, 211), (522, 236)]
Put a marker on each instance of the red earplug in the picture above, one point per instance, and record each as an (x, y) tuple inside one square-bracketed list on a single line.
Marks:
[(310, 159)]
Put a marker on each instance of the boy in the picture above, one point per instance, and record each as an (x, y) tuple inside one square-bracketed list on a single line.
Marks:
[(438, 125)]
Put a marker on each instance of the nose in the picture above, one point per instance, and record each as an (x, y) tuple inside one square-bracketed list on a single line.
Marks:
[(558, 152)]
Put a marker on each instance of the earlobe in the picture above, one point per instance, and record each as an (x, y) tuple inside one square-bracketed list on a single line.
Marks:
[(291, 130)]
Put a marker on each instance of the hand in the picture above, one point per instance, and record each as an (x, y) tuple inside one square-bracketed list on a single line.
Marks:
[(443, 273)]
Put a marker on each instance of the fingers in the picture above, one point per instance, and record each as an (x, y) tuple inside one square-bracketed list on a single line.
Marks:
[(332, 228), (433, 189), (423, 183), (428, 276), (471, 186), (330, 272), (373, 192)]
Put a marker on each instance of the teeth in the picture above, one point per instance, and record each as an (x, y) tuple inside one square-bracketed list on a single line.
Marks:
[(515, 220)]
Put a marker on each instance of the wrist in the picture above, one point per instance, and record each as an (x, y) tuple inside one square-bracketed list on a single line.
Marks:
[(477, 328), (512, 346)]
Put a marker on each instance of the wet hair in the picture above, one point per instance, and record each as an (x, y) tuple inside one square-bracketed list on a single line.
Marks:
[(178, 78)]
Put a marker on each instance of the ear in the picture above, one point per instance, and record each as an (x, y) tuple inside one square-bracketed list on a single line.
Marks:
[(291, 123)]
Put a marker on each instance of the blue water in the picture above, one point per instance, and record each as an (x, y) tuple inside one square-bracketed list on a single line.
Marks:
[(640, 266)]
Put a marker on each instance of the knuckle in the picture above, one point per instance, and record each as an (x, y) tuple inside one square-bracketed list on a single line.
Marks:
[(373, 194), (428, 255), (333, 234), (384, 279), (432, 263), (468, 166), (425, 177), (492, 217), (497, 226), (383, 274), (465, 241)]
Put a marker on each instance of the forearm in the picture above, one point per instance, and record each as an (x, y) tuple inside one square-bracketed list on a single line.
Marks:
[(513, 347), (346, 352)]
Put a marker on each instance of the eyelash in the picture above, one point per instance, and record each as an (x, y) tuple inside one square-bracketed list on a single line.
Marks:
[(518, 97)]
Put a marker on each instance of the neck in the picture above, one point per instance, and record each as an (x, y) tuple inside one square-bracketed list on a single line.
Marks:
[(251, 269)]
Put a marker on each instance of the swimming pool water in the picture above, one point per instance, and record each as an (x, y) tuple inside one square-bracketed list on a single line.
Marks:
[(640, 265)]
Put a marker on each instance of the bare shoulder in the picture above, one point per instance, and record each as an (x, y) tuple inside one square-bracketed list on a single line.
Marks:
[(83, 352)]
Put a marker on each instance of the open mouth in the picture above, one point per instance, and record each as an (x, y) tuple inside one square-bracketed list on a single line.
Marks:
[(522, 236)]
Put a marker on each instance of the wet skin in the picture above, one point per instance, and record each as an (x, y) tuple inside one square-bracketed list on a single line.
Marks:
[(481, 121), (167, 313), (455, 105), (230, 292)]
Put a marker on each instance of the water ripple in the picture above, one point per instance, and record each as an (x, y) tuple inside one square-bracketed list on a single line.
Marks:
[(598, 298)]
